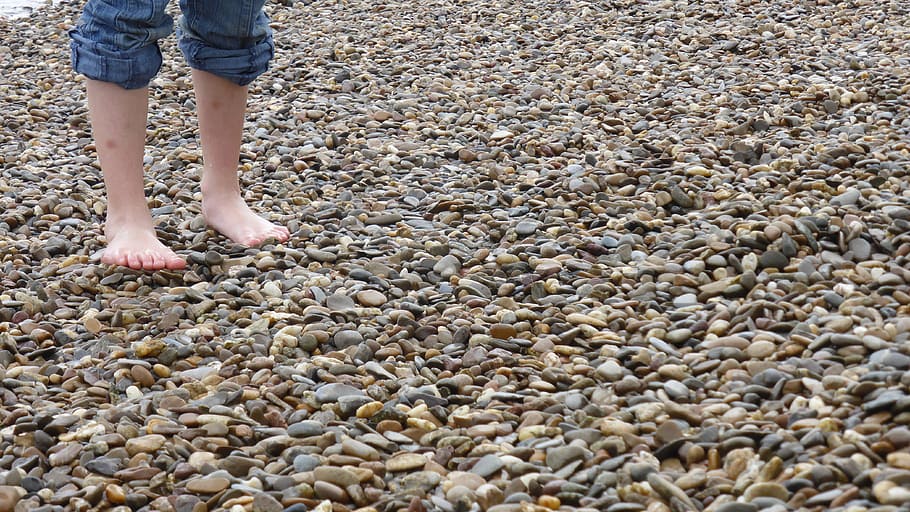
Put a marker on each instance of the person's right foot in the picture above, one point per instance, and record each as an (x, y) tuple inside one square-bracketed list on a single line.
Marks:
[(139, 249)]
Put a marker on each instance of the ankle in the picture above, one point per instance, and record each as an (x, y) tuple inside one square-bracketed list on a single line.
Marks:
[(214, 194), (135, 216)]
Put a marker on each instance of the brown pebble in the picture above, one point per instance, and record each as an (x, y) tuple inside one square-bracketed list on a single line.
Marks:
[(9, 497), (502, 331), (92, 325), (209, 485), (114, 494), (142, 376)]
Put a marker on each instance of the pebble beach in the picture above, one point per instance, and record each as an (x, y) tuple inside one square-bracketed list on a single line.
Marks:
[(545, 255)]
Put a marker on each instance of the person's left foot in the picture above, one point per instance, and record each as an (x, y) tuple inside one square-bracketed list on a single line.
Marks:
[(234, 219)]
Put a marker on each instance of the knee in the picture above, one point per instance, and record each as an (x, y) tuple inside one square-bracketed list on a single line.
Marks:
[(119, 45), (240, 66), (236, 44)]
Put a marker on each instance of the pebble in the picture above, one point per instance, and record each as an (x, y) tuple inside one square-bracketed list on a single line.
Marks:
[(10, 497), (847, 198), (333, 391), (405, 462), (207, 485), (510, 279)]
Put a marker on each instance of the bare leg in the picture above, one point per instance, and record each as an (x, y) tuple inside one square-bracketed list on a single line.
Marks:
[(222, 106), (118, 118)]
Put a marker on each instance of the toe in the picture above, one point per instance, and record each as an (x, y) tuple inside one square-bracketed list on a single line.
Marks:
[(281, 233), (253, 240), (118, 258), (107, 257), (133, 261), (174, 262), (154, 261)]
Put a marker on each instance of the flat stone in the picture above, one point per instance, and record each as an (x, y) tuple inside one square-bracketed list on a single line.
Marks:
[(847, 198), (685, 300), (346, 338), (208, 485), (262, 502), (670, 491), (448, 266), (527, 227), (405, 462), (358, 449), (306, 428), (333, 391), (339, 302), (773, 259), (145, 444), (487, 466), (338, 476), (385, 219), (305, 462), (737, 506), (371, 298), (329, 491), (766, 490), (561, 456)]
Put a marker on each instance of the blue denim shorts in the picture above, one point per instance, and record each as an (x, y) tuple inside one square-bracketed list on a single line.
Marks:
[(117, 40)]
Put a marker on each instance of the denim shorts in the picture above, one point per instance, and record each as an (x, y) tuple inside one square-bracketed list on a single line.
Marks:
[(117, 40)]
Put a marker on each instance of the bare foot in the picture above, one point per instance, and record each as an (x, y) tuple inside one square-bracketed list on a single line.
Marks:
[(139, 249), (234, 219)]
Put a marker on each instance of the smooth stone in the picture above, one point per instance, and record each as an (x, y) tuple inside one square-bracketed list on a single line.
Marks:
[(897, 212), (333, 391), (358, 449), (676, 390), (385, 219), (329, 491), (847, 198), (347, 338), (685, 300), (447, 267), (737, 506), (465, 479), (773, 259), (668, 432), (208, 485), (766, 490), (264, 503), (405, 462), (488, 465), (677, 336), (106, 466), (422, 481), (527, 227), (306, 428), (860, 248), (761, 349), (305, 462), (338, 476), (371, 298), (145, 444), (339, 302), (610, 371), (561, 456), (670, 491)]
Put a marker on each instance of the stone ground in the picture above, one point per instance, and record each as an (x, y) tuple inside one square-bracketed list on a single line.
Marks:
[(603, 256)]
